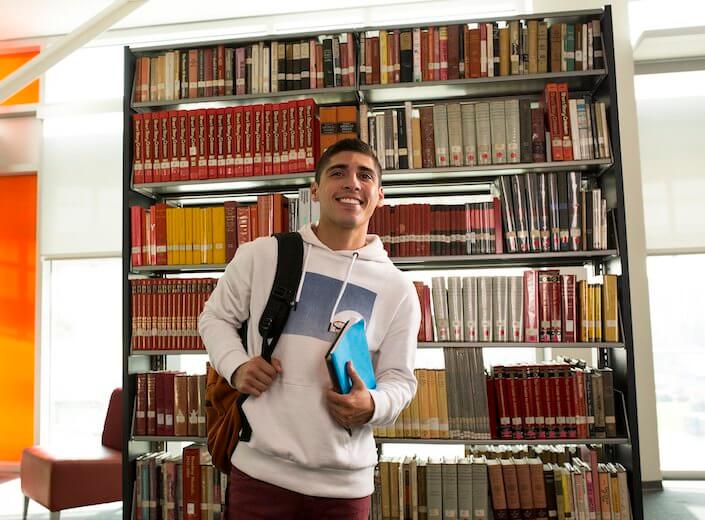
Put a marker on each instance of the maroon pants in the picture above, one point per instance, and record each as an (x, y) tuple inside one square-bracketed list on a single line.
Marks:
[(252, 499)]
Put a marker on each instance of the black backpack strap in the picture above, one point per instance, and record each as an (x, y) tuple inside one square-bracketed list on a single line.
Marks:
[(290, 258)]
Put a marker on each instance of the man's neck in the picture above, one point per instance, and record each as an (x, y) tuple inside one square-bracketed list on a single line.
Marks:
[(340, 240)]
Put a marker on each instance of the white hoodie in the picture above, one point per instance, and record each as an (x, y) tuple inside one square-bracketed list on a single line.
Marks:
[(296, 444)]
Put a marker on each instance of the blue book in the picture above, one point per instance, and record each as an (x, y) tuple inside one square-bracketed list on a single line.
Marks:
[(350, 345)]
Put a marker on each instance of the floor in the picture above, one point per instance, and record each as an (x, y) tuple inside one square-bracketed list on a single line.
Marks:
[(683, 500)]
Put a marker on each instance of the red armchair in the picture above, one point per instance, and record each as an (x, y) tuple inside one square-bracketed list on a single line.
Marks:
[(59, 480)]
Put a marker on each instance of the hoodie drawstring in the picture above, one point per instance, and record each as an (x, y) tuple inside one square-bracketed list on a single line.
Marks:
[(342, 289), (303, 275)]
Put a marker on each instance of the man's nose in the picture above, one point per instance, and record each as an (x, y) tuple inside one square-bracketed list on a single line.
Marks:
[(351, 181)]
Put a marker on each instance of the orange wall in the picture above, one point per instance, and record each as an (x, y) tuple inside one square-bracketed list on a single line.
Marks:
[(12, 62), (18, 213)]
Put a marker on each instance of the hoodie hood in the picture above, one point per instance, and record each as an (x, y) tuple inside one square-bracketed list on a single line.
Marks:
[(373, 249)]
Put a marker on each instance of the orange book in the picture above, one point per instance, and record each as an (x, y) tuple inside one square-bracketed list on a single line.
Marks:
[(347, 122), (329, 127)]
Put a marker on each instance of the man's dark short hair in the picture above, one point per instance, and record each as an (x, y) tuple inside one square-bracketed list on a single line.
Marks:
[(347, 145)]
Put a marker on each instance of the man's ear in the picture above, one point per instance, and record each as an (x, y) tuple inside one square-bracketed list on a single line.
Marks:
[(314, 191), (380, 201)]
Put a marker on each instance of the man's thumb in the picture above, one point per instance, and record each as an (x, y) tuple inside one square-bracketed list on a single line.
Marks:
[(357, 382)]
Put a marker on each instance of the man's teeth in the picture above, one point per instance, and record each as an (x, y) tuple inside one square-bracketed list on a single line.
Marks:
[(349, 201)]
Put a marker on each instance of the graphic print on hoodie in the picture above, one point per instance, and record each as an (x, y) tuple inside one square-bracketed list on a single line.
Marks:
[(295, 442)]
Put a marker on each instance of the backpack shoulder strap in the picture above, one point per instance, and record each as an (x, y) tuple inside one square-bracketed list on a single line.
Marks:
[(290, 253)]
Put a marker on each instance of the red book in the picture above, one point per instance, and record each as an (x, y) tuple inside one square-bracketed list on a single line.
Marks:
[(151, 403), (531, 306), (248, 138), (220, 140), (268, 143), (560, 401), (539, 401), (238, 141), (555, 311), (427, 313), (243, 224), (193, 73), (258, 140), (136, 228), (579, 393), (202, 143), (140, 427), (571, 403), (160, 402), (301, 135), (443, 53), (229, 142), (552, 107), (436, 53), (492, 407), (230, 229), (193, 144), (276, 139), (569, 315), (530, 431), (168, 382), (564, 119), (137, 149), (211, 143), (219, 86), (159, 216), (293, 137), (155, 144), (164, 148), (208, 61), (173, 144), (497, 219), (254, 228), (147, 147), (284, 138), (501, 384), (191, 483), (548, 390)]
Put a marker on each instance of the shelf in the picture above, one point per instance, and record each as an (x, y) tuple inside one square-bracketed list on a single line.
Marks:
[(321, 95), (568, 258), (417, 263), (390, 178), (166, 352), (501, 442), (167, 438), (578, 81), (495, 344)]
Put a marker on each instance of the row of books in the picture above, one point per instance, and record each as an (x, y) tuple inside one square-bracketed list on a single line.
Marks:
[(478, 50), (212, 143), (193, 235), (542, 306), (514, 130), (164, 312), (390, 56), (170, 403), (553, 400), (480, 487), (182, 486), (258, 68), (544, 212), (439, 229)]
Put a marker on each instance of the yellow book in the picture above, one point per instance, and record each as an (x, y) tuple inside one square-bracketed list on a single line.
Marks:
[(583, 293), (188, 236), (218, 234), (567, 487), (598, 313), (424, 404), (180, 249), (385, 478), (609, 308), (405, 425), (591, 312), (383, 79), (207, 237), (415, 419), (170, 236), (197, 235), (504, 52), (433, 404), (442, 396)]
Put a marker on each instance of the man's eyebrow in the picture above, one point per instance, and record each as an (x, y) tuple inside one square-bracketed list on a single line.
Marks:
[(344, 166)]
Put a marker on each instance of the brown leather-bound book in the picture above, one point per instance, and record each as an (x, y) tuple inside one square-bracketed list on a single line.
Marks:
[(140, 426), (552, 110), (192, 482), (181, 405), (538, 133), (475, 58), (556, 44), (201, 404), (564, 120), (428, 150), (504, 52), (533, 32), (192, 405), (511, 488)]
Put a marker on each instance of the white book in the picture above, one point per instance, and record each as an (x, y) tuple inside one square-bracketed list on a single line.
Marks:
[(274, 70), (416, 39), (498, 131), (485, 308), (256, 61), (511, 111), (467, 111), (440, 308), (470, 312), (585, 145), (455, 308), (169, 76), (575, 129), (449, 470), (440, 134), (455, 134), (465, 488), (516, 309), (500, 308), (480, 491), (484, 135), (265, 70), (605, 130), (490, 51)]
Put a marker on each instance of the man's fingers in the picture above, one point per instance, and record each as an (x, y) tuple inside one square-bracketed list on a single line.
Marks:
[(277, 365), (262, 365), (357, 382)]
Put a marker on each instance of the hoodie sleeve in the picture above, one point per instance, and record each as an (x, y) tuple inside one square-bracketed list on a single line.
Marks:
[(394, 370), (224, 313)]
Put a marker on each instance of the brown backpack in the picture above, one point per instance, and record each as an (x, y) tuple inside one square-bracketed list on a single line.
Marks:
[(225, 421)]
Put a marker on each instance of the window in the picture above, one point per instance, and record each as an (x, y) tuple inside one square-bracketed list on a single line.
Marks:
[(82, 348), (677, 298)]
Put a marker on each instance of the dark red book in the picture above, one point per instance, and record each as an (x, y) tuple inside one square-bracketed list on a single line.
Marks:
[(258, 140), (267, 133), (191, 482), (220, 140), (238, 141), (159, 223), (293, 137), (137, 149), (229, 142), (202, 143), (193, 144), (284, 138), (248, 138), (211, 143), (140, 427), (151, 403)]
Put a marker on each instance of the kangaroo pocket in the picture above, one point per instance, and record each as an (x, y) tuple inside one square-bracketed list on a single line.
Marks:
[(293, 422)]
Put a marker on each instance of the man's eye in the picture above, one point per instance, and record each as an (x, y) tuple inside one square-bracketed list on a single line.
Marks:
[(336, 172), (367, 176)]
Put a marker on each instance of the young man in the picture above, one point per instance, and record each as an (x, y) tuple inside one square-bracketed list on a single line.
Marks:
[(300, 461)]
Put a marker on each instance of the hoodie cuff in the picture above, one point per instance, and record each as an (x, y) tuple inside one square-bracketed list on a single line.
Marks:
[(381, 401), (231, 363)]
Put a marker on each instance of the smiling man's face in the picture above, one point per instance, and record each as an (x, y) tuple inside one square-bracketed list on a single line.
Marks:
[(349, 191)]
